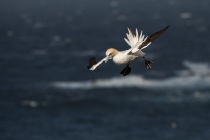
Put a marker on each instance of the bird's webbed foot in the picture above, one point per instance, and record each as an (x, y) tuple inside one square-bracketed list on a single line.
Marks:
[(148, 63), (126, 70)]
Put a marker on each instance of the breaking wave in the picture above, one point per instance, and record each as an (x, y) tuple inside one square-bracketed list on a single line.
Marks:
[(197, 76)]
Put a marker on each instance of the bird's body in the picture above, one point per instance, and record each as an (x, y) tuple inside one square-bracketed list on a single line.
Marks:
[(124, 57), (137, 44)]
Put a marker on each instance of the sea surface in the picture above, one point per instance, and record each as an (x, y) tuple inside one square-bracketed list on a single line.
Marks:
[(47, 92)]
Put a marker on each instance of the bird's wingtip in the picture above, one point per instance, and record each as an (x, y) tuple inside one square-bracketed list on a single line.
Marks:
[(92, 62), (167, 26)]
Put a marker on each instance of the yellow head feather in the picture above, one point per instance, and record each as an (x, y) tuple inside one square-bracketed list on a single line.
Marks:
[(111, 52)]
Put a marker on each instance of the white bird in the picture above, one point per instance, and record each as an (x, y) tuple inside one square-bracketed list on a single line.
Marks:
[(137, 43)]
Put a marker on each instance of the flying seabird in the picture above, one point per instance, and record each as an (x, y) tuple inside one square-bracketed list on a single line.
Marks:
[(137, 44)]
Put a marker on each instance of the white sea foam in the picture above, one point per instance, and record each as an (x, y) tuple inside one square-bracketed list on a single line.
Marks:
[(197, 77), (30, 103), (202, 69), (186, 15), (33, 104)]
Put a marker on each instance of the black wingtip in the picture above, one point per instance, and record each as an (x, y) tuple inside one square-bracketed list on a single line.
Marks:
[(164, 29), (167, 26), (92, 61)]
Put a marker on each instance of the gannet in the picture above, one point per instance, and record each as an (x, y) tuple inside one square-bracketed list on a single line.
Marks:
[(137, 43)]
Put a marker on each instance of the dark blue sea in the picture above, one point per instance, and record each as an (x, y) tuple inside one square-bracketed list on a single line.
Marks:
[(47, 92)]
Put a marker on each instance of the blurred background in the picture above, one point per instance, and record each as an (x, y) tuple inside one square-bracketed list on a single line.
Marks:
[(47, 92)]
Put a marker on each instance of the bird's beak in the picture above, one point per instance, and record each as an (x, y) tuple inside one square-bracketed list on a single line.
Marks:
[(107, 58)]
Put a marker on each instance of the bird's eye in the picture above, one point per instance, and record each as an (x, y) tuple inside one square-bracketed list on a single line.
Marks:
[(110, 53)]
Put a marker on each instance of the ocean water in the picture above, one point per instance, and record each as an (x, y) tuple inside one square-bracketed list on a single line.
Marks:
[(47, 92)]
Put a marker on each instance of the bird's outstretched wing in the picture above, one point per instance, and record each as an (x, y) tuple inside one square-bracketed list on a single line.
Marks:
[(93, 63), (153, 37), (148, 41)]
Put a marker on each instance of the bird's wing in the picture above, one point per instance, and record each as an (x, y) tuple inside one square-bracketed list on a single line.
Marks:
[(92, 61), (148, 40), (132, 39), (93, 67)]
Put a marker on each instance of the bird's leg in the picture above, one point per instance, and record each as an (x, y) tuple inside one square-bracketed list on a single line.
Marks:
[(126, 70), (148, 63)]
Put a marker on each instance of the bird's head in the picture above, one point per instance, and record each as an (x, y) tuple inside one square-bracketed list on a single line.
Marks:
[(110, 53)]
